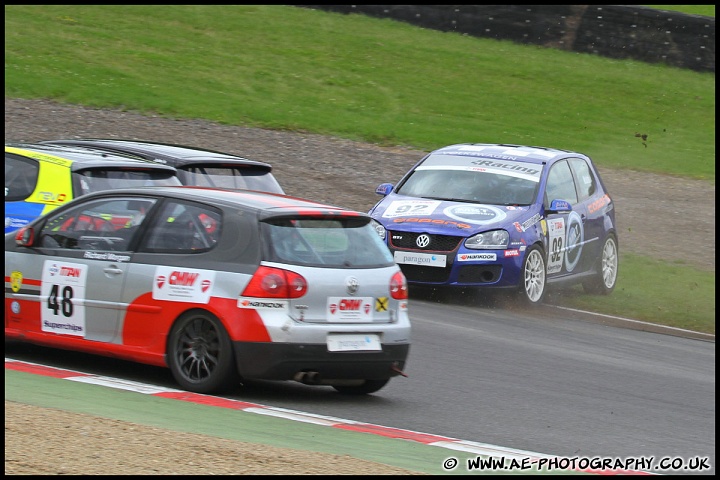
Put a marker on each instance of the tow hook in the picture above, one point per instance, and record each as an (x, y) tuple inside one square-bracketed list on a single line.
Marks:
[(394, 367)]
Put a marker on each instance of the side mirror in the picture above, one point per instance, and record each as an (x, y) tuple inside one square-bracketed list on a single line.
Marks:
[(384, 188), (559, 206), (25, 237)]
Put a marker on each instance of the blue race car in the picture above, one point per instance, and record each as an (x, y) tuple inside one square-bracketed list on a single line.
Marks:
[(501, 216)]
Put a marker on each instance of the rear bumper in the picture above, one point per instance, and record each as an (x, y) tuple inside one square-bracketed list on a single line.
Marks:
[(283, 361)]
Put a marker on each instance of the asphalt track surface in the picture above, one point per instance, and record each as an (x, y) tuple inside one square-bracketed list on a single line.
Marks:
[(169, 408), (161, 407)]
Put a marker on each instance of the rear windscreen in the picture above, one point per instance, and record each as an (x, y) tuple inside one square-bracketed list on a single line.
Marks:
[(233, 178), (338, 243), (95, 180)]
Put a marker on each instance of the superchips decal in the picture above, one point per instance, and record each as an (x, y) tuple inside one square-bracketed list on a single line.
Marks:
[(176, 284), (406, 208), (346, 309), (62, 291), (475, 214)]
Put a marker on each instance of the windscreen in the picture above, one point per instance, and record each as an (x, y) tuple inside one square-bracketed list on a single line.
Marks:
[(498, 183), (95, 180), (337, 243)]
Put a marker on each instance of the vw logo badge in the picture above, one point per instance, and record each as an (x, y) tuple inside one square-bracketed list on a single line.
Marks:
[(422, 241), (352, 285)]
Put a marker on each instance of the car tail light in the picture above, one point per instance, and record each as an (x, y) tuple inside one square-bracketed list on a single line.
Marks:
[(398, 287), (269, 282)]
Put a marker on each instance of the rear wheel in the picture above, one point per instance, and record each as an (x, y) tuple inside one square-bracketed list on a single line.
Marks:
[(369, 386), (200, 354), (533, 282), (604, 282)]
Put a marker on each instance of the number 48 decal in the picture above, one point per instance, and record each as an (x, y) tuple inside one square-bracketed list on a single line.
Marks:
[(62, 285), (65, 305)]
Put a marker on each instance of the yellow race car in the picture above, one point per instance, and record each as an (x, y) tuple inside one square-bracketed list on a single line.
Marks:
[(39, 178)]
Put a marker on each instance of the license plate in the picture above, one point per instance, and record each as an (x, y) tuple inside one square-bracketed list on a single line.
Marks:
[(353, 342), (424, 259)]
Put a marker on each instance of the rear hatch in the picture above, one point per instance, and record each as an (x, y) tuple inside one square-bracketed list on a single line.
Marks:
[(349, 272)]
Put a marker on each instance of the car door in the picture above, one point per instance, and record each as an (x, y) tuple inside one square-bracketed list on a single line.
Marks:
[(590, 207), (565, 230), (82, 259)]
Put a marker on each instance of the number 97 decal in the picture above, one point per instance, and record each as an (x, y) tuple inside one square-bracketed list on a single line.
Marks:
[(63, 284)]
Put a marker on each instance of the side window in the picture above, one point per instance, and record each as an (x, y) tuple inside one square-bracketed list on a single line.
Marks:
[(560, 184), (21, 176), (97, 225), (585, 180), (183, 227)]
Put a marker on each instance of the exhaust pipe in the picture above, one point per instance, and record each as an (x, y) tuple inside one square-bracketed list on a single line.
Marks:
[(308, 378)]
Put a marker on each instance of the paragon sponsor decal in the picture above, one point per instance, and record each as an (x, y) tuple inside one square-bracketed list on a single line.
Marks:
[(343, 309), (406, 208), (426, 259), (353, 342), (477, 215), (470, 257), (183, 284), (256, 304), (63, 285)]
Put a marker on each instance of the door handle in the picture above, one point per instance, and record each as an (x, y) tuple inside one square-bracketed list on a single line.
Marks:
[(112, 270)]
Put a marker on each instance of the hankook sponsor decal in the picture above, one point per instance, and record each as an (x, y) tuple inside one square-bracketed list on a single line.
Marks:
[(470, 257), (260, 304)]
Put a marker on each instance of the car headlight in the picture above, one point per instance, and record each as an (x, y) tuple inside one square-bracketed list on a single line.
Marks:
[(379, 228), (492, 240)]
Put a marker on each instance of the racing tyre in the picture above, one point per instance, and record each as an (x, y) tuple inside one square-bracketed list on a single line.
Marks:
[(533, 283), (369, 386), (200, 354), (604, 282)]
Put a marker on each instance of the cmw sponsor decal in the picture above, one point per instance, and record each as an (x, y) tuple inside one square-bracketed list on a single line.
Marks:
[(183, 284)]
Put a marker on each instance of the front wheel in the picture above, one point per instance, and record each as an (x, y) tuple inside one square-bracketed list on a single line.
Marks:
[(368, 386), (200, 354), (604, 282), (533, 282)]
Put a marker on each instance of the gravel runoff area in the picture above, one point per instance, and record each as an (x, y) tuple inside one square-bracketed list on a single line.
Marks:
[(660, 216)]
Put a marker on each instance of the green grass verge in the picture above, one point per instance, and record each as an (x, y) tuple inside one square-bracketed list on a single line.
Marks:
[(384, 82)]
